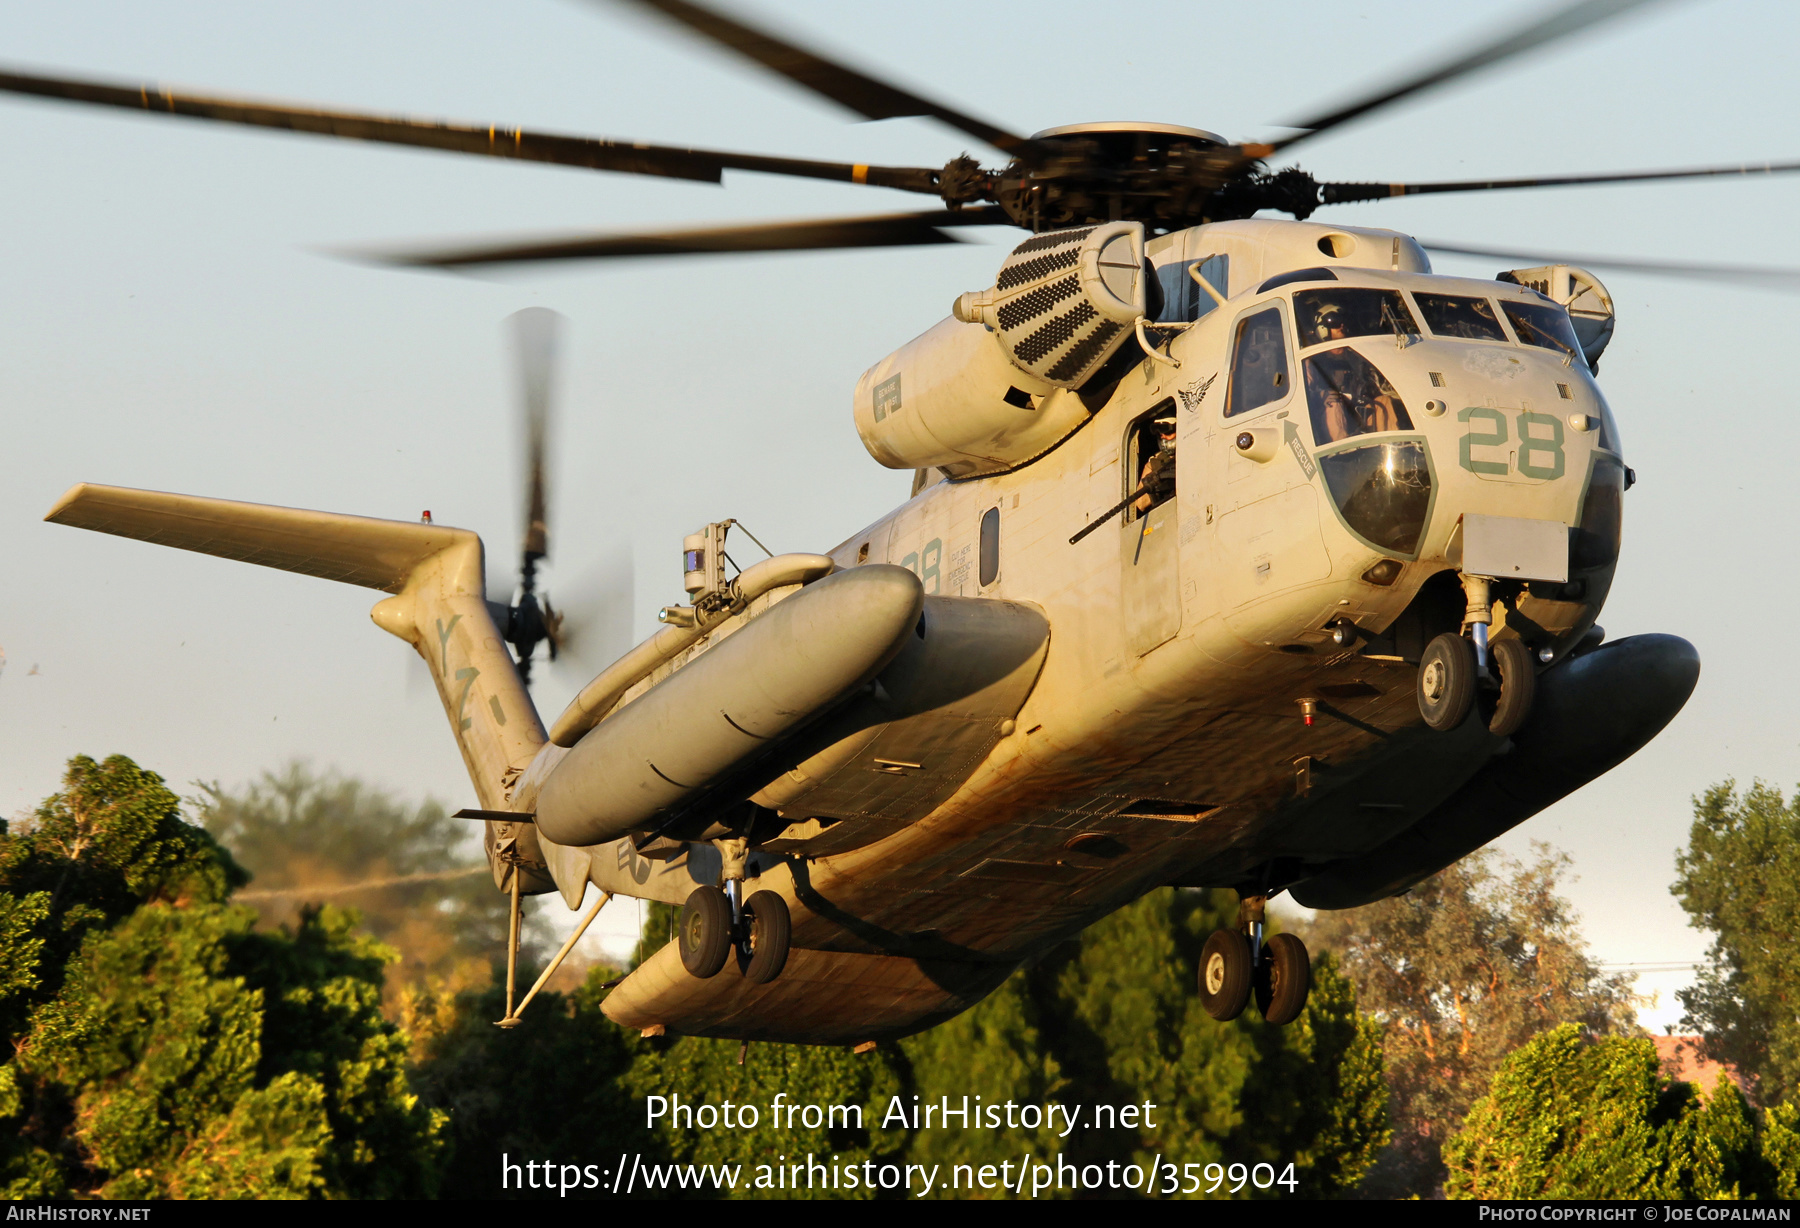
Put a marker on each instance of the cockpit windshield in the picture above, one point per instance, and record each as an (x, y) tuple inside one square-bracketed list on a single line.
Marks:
[(1452, 315), (1335, 314), (1543, 324), (1348, 396)]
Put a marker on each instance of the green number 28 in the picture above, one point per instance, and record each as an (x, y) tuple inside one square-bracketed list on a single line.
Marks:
[(933, 557), (1540, 442)]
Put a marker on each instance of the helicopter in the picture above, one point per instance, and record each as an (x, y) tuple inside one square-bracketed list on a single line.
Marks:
[(1332, 647)]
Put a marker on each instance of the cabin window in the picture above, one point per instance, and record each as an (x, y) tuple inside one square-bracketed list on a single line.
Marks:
[(990, 546), (1323, 316), (1259, 366), (1543, 325), (1452, 315), (1183, 298), (1348, 396)]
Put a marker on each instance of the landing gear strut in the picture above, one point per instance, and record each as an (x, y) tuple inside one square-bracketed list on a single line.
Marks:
[(1455, 670), (1236, 965), (715, 922)]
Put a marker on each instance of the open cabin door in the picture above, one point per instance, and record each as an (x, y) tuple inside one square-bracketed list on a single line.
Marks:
[(1150, 580)]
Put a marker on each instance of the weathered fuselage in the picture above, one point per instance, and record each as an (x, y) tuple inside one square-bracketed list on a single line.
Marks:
[(1163, 741)]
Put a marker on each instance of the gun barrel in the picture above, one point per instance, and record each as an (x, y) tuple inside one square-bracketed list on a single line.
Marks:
[(1110, 512)]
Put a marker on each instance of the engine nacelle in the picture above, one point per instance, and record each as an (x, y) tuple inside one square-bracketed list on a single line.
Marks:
[(992, 387)]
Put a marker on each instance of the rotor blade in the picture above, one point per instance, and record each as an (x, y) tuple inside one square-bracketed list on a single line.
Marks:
[(856, 91), (1341, 193), (594, 616), (1552, 26), (534, 338), (594, 153), (1764, 277), (883, 230)]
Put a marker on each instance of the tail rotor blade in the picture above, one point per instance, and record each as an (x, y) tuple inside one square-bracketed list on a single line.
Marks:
[(592, 627)]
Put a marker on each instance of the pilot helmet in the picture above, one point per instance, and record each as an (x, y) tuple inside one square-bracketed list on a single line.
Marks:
[(1328, 316)]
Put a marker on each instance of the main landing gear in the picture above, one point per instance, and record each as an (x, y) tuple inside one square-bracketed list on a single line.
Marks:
[(1236, 965), (1458, 671), (709, 933)]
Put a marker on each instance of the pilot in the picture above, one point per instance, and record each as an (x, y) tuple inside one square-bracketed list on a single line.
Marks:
[(1158, 475), (1350, 396), (1328, 323)]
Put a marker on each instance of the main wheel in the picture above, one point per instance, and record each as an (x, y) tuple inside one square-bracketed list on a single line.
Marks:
[(1518, 686), (1225, 975), (704, 932), (1284, 980), (1446, 686), (766, 929)]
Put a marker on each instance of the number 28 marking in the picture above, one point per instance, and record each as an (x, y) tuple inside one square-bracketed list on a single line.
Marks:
[(933, 555), (1540, 442)]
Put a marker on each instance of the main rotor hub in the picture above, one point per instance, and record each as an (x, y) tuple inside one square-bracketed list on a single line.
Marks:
[(1131, 128), (1164, 175)]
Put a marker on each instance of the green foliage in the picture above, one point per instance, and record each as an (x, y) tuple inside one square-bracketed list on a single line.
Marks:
[(415, 874), (548, 1090), (1781, 1148), (709, 1071), (165, 1049), (1740, 879), (1461, 971), (1566, 1118), (1112, 1018)]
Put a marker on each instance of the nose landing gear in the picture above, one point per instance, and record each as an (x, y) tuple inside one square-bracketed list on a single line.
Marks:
[(1456, 671), (1236, 965)]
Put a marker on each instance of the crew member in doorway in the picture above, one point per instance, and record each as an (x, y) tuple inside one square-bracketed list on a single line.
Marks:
[(1158, 477)]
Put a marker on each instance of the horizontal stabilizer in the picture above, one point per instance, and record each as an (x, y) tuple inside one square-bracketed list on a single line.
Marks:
[(351, 549)]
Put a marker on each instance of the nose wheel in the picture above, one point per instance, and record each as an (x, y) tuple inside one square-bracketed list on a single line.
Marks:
[(1446, 686), (1450, 682), (1518, 686)]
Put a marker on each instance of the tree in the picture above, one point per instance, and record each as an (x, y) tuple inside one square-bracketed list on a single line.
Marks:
[(1569, 1118), (550, 1090), (1739, 878), (1112, 1017), (415, 875), (161, 1047), (1462, 970)]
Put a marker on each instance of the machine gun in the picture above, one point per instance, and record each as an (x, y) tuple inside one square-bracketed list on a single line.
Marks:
[(1158, 483)]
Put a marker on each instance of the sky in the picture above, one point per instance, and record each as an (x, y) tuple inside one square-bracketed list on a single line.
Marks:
[(171, 317)]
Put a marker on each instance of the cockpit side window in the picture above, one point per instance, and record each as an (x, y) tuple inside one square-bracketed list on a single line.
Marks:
[(1182, 297), (1349, 396), (1543, 325), (1259, 366), (1332, 315), (1452, 315)]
